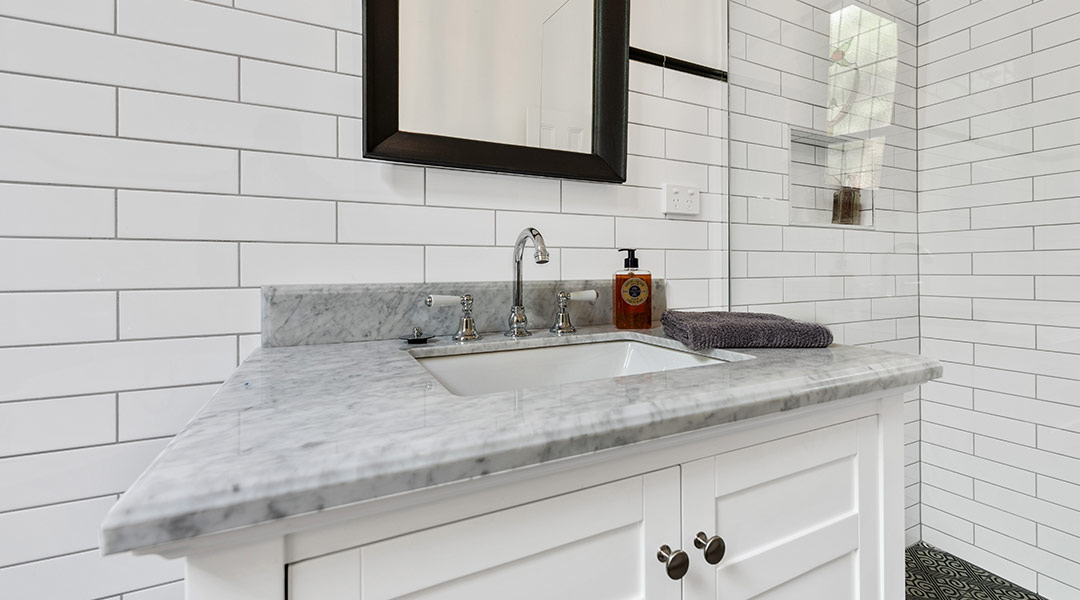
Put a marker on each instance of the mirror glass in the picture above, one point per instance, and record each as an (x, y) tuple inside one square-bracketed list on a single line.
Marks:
[(514, 72)]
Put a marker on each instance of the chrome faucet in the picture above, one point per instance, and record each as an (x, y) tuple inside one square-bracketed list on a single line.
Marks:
[(519, 323)]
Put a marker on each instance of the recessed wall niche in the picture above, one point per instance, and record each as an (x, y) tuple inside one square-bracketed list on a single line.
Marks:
[(838, 167), (833, 179)]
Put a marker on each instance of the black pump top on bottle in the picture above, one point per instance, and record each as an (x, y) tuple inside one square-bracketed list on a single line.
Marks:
[(630, 262)]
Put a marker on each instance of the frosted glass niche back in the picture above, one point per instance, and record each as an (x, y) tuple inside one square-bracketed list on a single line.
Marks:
[(507, 71)]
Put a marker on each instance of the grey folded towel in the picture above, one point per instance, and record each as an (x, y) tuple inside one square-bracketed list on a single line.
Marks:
[(703, 330)]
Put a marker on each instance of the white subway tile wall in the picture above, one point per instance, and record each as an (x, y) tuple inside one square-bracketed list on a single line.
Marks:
[(154, 172), (160, 161), (861, 283), (999, 115)]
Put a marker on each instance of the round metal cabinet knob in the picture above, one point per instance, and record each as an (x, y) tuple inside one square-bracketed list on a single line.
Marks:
[(713, 547), (676, 560)]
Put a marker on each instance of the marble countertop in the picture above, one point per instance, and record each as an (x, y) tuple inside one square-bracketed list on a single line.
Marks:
[(301, 429)]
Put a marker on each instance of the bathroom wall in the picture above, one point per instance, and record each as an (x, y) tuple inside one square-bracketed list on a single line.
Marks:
[(860, 281), (159, 161), (999, 153)]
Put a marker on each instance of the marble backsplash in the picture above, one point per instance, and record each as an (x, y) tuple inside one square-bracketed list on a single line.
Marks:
[(302, 315)]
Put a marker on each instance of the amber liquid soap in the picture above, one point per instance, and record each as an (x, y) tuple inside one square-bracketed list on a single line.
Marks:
[(632, 295)]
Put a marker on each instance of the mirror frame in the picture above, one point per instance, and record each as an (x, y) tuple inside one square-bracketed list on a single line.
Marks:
[(384, 140)]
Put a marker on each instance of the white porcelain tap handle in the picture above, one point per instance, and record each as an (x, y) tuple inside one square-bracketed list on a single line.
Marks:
[(467, 327), (437, 301), (585, 295)]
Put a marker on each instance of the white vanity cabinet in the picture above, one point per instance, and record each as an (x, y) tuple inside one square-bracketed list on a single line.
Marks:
[(801, 502), (597, 543), (798, 516)]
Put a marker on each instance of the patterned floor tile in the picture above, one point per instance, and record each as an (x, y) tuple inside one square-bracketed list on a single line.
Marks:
[(934, 574)]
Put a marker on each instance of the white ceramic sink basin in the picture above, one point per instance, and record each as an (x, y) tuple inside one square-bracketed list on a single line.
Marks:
[(499, 371)]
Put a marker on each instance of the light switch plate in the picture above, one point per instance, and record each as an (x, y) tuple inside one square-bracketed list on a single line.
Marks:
[(681, 199)]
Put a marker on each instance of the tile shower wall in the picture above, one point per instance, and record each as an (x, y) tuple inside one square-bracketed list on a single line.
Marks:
[(862, 283), (161, 160), (999, 231)]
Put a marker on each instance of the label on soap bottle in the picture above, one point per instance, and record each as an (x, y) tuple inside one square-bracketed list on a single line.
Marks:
[(635, 291)]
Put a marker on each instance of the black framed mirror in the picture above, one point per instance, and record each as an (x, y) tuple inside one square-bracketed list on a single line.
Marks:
[(438, 75)]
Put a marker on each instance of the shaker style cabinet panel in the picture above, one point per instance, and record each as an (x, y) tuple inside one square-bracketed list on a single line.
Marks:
[(804, 507), (796, 516), (598, 543)]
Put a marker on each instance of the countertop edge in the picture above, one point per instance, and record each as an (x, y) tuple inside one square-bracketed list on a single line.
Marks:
[(120, 534)]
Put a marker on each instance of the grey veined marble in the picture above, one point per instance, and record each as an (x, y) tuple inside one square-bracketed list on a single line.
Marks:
[(305, 428), (302, 315)]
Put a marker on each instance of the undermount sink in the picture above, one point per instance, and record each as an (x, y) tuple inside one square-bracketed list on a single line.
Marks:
[(505, 370)]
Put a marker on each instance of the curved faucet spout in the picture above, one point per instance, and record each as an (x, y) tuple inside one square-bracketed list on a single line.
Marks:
[(530, 233), (518, 320)]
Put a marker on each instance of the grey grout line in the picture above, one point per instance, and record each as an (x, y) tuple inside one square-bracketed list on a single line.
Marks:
[(182, 386), (128, 340), (997, 462), (1000, 110), (232, 4), (1019, 516), (200, 50), (990, 552), (63, 502), (969, 521), (141, 589), (66, 554), (186, 144), (311, 199), (121, 391), (237, 100)]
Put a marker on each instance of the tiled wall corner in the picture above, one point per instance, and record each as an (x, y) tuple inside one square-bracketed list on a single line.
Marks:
[(999, 233), (861, 283)]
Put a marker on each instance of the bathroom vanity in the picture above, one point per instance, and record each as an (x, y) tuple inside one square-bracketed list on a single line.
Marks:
[(349, 471)]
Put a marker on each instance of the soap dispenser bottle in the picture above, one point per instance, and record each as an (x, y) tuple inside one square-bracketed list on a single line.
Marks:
[(632, 294)]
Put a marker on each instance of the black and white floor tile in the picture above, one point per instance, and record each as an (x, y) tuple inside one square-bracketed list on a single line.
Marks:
[(937, 575)]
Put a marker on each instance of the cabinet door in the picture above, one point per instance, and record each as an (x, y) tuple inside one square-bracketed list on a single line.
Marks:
[(799, 517), (597, 543)]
